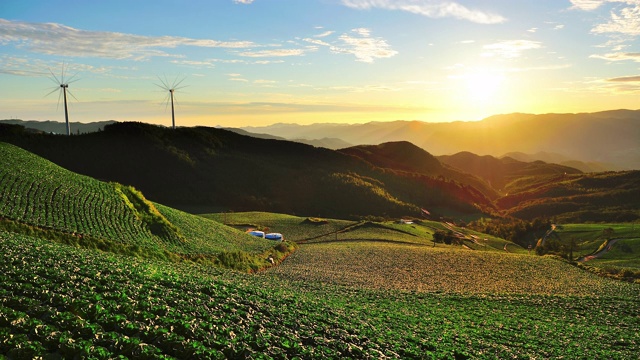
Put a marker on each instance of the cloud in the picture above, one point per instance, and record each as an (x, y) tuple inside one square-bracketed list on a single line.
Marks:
[(357, 42), (626, 22), (620, 56), (324, 34), (246, 2), (510, 48), (626, 79), (273, 53), (429, 8), (586, 4), (57, 39)]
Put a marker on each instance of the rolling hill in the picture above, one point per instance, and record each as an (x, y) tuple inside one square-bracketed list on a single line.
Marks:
[(206, 170), (609, 137), (37, 195), (499, 173)]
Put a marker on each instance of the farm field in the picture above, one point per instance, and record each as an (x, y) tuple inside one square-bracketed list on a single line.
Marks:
[(443, 269), (315, 230), (63, 302), (352, 289), (37, 193), (625, 253)]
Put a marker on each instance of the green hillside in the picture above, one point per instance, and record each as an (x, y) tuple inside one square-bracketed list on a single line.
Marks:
[(578, 198), (37, 193)]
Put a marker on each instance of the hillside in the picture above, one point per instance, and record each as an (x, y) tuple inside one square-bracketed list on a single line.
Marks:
[(595, 197), (206, 170), (499, 173), (404, 156), (609, 137), (44, 197)]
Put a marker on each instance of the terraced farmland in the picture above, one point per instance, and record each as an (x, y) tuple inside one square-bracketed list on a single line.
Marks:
[(63, 302), (441, 269), (39, 193)]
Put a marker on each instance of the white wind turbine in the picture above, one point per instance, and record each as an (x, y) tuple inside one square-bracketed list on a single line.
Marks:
[(63, 88), (171, 88)]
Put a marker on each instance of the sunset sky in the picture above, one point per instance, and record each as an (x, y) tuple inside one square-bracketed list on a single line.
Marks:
[(258, 62)]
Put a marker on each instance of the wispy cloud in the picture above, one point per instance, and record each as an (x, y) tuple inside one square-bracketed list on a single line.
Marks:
[(358, 42), (246, 2), (58, 39), (587, 4), (510, 48), (273, 53), (429, 8), (620, 56), (626, 22), (626, 79), (324, 34)]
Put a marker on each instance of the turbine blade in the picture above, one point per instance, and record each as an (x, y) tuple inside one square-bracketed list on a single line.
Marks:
[(58, 105), (52, 91), (57, 81), (164, 84), (62, 76), (175, 85), (69, 92), (71, 79)]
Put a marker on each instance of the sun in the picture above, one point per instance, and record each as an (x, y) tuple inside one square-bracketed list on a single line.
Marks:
[(483, 86)]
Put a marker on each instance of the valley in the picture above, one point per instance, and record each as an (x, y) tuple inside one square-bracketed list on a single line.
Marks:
[(100, 269)]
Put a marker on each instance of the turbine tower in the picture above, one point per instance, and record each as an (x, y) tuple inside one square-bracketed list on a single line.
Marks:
[(171, 88), (63, 88)]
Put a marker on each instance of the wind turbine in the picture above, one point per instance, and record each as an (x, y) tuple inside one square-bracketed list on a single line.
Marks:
[(171, 88), (63, 88)]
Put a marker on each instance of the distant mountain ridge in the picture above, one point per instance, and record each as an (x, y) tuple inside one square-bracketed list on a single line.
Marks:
[(56, 127), (610, 139)]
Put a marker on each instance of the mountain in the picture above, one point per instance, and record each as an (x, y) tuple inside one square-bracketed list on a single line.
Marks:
[(329, 143), (207, 169), (609, 137), (501, 172), (404, 156), (590, 166), (55, 127), (594, 197)]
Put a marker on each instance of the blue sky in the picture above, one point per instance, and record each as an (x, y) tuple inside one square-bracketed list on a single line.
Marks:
[(251, 63)]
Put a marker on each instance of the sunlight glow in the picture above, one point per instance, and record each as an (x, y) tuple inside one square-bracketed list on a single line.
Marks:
[(483, 86)]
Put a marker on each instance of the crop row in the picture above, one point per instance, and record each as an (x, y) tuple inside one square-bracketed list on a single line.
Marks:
[(77, 303), (40, 193)]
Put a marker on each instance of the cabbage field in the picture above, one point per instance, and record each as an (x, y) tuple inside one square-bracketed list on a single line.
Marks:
[(62, 302)]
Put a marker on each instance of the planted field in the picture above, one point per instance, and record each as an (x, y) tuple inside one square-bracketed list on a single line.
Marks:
[(294, 228), (39, 193), (589, 238), (442, 269), (63, 302)]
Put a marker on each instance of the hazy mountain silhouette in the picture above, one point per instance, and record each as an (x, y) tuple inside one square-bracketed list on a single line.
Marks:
[(56, 127), (500, 172), (610, 138)]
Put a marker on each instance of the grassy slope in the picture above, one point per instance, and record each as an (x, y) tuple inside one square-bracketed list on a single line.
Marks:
[(589, 238), (69, 302), (39, 193)]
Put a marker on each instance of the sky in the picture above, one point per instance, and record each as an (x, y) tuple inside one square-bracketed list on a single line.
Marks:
[(237, 63)]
